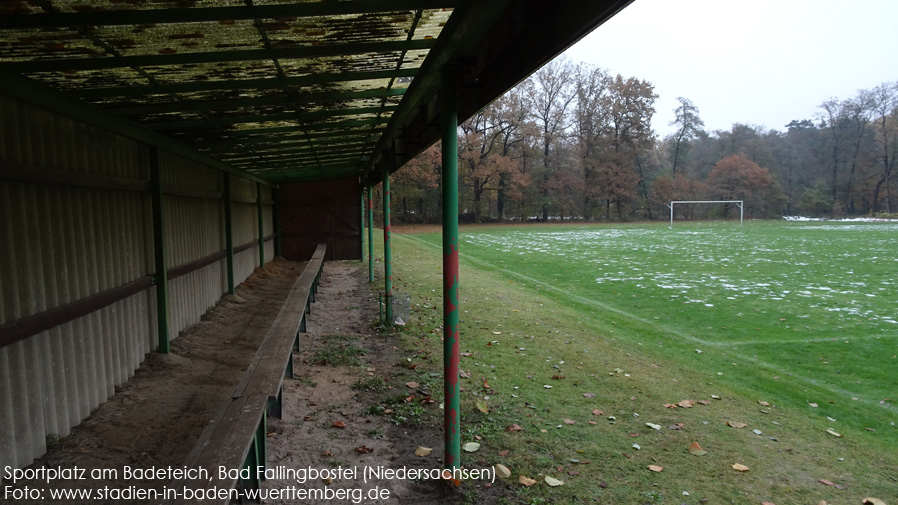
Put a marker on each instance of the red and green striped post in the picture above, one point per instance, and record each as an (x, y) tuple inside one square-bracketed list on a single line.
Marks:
[(370, 233), (449, 126), (388, 254)]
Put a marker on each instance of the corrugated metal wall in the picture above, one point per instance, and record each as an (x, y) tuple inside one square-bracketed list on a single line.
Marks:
[(321, 212), (62, 241)]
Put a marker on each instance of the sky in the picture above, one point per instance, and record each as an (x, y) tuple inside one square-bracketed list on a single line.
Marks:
[(757, 62)]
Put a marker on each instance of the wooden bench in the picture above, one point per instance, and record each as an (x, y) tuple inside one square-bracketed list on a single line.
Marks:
[(236, 437)]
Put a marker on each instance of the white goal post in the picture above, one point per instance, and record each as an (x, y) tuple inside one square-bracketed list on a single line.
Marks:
[(737, 202)]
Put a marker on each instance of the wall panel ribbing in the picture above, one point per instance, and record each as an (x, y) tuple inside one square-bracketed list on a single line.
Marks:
[(63, 242)]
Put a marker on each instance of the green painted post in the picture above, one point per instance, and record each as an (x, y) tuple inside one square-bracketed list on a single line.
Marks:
[(276, 218), (449, 127), (370, 234), (161, 277), (362, 224), (261, 224), (388, 255), (229, 231)]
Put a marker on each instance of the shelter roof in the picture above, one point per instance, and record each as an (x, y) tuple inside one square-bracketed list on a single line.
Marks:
[(287, 91)]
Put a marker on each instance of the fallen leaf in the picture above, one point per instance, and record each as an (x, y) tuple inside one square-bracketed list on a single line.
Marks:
[(653, 426), (686, 404), (767, 503), (497, 333), (740, 467), (514, 427), (463, 374), (486, 385), (481, 406), (526, 481), (503, 453), (826, 482), (697, 450), (670, 406), (872, 501), (833, 432), (813, 405), (655, 468), (338, 424), (502, 471), (553, 482), (471, 447), (736, 424), (364, 449), (412, 385), (715, 397), (596, 412), (589, 395), (570, 421), (704, 402), (423, 451), (763, 403)]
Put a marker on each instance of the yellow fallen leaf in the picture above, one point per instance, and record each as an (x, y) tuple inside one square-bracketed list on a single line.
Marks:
[(740, 467), (481, 406), (655, 468), (471, 447), (697, 450), (553, 482), (502, 471), (526, 481), (423, 451)]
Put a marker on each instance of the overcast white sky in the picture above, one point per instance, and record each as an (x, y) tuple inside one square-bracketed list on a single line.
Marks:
[(758, 62)]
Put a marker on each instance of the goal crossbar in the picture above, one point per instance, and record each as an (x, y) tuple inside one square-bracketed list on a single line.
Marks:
[(739, 203)]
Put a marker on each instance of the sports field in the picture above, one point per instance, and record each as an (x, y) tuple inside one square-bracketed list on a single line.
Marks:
[(800, 318)]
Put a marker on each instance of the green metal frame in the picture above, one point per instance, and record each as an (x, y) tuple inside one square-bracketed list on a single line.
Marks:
[(449, 124), (388, 253), (161, 273), (370, 233)]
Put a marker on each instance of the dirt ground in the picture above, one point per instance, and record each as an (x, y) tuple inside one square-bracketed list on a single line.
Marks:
[(154, 420), (322, 395)]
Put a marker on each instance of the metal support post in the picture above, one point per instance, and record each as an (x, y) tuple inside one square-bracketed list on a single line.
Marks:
[(370, 234), (161, 276), (362, 223), (388, 255), (229, 231), (261, 224), (449, 127), (276, 221)]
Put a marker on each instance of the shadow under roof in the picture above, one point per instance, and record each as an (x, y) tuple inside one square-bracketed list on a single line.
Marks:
[(286, 91)]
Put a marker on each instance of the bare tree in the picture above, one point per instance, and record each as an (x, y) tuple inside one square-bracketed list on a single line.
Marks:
[(688, 124), (549, 93), (884, 103)]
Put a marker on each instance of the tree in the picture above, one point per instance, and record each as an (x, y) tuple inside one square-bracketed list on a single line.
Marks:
[(549, 92), (836, 121), (884, 103), (688, 124), (738, 178)]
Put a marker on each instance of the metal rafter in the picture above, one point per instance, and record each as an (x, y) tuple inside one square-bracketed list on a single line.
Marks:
[(194, 15), (160, 60)]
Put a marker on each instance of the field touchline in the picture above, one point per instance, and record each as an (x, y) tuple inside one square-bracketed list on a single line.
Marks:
[(722, 347)]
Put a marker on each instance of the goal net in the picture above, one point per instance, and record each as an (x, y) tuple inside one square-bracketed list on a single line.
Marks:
[(737, 202)]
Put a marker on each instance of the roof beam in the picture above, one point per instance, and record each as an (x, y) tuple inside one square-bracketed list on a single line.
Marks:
[(293, 98), (297, 116), (269, 83), (351, 123), (155, 60), (204, 14), (263, 140)]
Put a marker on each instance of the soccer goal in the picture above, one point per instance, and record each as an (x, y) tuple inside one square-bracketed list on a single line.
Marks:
[(737, 202)]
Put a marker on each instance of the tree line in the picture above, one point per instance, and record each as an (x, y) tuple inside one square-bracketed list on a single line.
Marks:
[(575, 142)]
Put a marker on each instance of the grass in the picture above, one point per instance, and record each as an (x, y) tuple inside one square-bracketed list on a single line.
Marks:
[(339, 350), (770, 306)]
